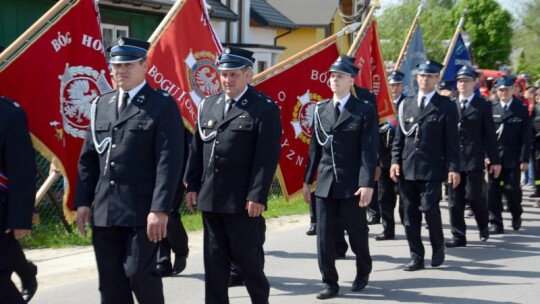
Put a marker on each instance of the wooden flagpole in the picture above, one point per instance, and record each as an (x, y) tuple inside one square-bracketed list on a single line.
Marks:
[(365, 25), (454, 40), (28, 35), (305, 53), (414, 24), (166, 22)]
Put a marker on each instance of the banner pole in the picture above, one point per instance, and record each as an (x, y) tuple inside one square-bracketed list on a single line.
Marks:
[(414, 24), (367, 22), (46, 186), (454, 40), (321, 44), (32, 30)]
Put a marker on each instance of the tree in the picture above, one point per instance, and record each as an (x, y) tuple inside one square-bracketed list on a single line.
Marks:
[(395, 21), (488, 25), (527, 37), (490, 29)]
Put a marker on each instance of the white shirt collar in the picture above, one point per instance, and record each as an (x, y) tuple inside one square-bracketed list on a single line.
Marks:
[(131, 92), (468, 99), (428, 98), (342, 102), (506, 103), (236, 97)]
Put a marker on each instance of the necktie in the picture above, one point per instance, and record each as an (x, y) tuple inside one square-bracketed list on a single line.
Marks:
[(337, 111), (123, 103), (422, 103), (463, 107), (228, 105), (505, 108)]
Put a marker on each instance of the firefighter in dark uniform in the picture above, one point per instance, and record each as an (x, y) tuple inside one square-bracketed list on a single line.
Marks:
[(387, 195), (177, 238), (514, 133), (17, 192), (129, 170), (343, 153), (425, 153), (478, 147), (232, 162)]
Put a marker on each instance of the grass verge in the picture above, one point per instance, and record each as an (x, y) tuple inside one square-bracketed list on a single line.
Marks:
[(56, 236)]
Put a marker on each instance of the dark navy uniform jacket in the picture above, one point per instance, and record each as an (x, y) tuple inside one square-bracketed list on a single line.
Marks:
[(433, 150), (355, 136), (145, 161), (515, 136), (386, 139), (477, 138), (17, 163), (239, 164)]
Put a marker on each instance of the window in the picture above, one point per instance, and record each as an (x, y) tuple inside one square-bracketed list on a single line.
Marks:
[(111, 33)]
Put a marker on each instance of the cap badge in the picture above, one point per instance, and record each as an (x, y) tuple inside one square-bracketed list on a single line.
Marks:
[(121, 42)]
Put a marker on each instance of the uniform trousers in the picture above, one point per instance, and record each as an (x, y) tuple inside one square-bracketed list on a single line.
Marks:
[(341, 243), (422, 197), (469, 191), (536, 166), (238, 239), (177, 238), (509, 183), (387, 197), (353, 219), (126, 262), (9, 292)]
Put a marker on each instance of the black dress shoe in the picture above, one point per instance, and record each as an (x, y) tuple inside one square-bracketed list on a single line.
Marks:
[(374, 221), (516, 223), (437, 259), (413, 265), (455, 243), (384, 237), (327, 293), (360, 283), (312, 230), (235, 280), (164, 269), (180, 263), (484, 234), (534, 195), (496, 230), (29, 284)]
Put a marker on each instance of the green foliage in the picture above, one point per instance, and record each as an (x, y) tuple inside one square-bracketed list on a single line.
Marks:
[(527, 38), (488, 25), (490, 30)]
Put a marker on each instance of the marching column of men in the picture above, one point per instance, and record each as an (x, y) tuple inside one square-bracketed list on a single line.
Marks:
[(232, 160)]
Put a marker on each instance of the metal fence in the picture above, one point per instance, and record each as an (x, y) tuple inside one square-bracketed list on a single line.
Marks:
[(49, 213)]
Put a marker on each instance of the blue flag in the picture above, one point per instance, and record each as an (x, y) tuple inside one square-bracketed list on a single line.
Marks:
[(460, 57), (415, 55)]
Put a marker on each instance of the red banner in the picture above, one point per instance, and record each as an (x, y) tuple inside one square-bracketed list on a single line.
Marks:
[(372, 73), (54, 77), (182, 58), (296, 90)]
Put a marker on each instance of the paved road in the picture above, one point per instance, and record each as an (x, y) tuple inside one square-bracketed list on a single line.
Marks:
[(505, 269)]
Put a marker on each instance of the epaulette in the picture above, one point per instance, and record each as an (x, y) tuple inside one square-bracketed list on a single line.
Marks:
[(10, 102), (264, 96), (320, 103), (162, 93)]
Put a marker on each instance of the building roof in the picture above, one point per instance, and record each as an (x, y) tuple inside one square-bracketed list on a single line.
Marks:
[(266, 15), (307, 13), (218, 10)]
